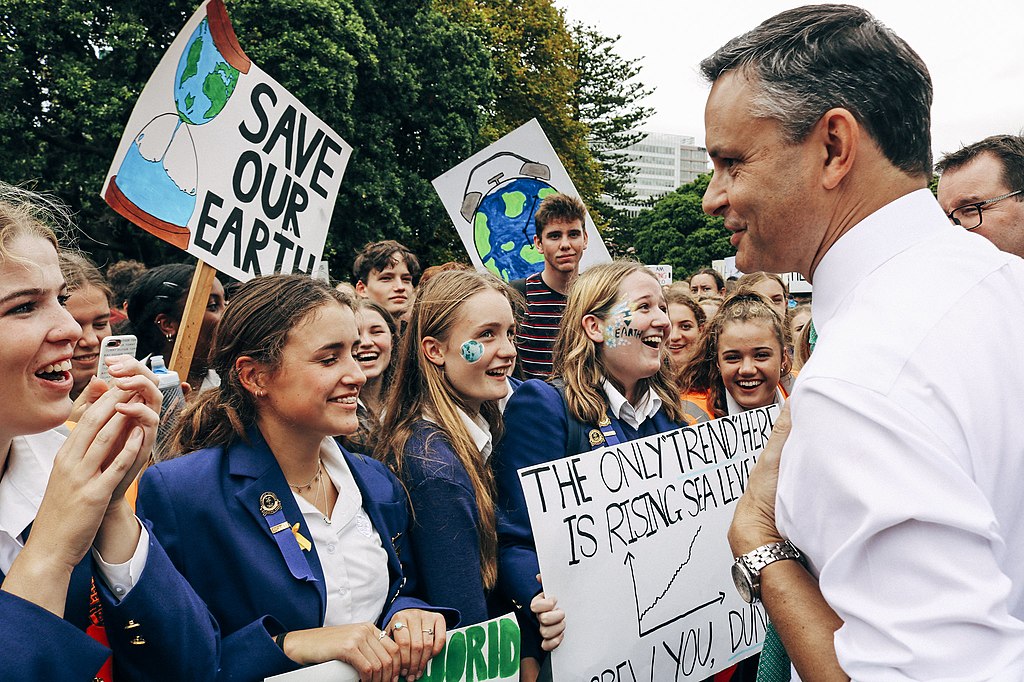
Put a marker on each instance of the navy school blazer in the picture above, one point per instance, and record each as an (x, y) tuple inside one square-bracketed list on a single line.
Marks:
[(537, 430), (205, 510), (160, 631)]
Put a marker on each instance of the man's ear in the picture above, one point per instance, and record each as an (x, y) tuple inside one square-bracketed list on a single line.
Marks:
[(166, 325), (433, 350), (251, 374), (592, 327), (840, 134), (360, 288)]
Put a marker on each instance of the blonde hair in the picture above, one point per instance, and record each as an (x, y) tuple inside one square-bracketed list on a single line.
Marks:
[(578, 360), (27, 213), (421, 387), (702, 373)]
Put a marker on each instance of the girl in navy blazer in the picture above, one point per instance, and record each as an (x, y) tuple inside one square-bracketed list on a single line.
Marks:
[(441, 414), (297, 546), (60, 603), (611, 377)]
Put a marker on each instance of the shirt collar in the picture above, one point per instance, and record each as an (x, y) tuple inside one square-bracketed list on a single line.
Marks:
[(23, 484), (479, 430), (647, 407), (868, 245), (735, 408), (477, 427)]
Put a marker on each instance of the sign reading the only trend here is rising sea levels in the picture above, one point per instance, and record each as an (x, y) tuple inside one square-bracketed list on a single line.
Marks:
[(632, 543), (221, 161), (491, 198)]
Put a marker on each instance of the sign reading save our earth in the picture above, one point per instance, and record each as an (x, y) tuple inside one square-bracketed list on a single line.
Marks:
[(492, 196), (221, 161)]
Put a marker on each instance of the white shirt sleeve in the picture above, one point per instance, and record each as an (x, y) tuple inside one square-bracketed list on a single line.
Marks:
[(905, 543), (121, 578)]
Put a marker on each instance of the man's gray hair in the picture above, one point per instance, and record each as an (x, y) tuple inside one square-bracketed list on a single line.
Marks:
[(805, 61)]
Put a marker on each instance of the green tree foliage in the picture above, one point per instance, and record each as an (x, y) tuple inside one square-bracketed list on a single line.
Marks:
[(676, 231), (607, 99), (535, 64), (404, 84)]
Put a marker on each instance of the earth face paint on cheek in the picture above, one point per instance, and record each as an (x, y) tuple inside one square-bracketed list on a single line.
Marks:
[(618, 331), (472, 351)]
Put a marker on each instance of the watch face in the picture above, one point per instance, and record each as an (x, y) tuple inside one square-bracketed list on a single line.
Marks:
[(741, 578)]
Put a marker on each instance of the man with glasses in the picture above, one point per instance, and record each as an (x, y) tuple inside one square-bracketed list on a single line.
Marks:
[(981, 188)]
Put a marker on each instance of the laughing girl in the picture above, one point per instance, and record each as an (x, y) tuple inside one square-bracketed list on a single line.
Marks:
[(441, 417)]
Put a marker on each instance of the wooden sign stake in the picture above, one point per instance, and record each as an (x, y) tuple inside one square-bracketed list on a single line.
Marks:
[(192, 319)]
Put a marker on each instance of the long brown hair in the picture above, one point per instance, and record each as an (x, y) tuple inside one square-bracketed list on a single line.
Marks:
[(702, 373), (420, 387), (262, 313), (578, 361)]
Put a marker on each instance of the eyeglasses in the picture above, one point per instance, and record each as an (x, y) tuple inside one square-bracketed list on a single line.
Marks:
[(969, 216)]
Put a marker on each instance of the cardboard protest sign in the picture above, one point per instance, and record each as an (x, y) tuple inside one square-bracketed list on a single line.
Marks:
[(632, 542), (223, 162), (485, 652), (491, 198), (662, 272)]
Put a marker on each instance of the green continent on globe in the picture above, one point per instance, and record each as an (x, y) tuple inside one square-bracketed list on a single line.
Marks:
[(192, 63), (530, 254), (482, 236), (547, 191), (218, 86), (189, 99), (508, 246), (514, 202)]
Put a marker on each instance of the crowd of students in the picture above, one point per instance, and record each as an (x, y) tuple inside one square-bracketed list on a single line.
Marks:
[(342, 483)]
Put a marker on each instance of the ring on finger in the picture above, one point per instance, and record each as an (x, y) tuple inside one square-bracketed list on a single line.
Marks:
[(399, 626), (380, 638), (428, 631)]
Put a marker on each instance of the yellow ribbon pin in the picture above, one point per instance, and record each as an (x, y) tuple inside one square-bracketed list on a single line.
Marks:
[(305, 544)]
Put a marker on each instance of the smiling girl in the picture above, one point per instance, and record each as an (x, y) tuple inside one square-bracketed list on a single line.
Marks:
[(377, 339), (687, 318), (441, 418), (73, 556), (739, 361), (611, 378), (89, 303), (292, 542)]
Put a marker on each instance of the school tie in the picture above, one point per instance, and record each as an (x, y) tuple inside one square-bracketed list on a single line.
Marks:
[(774, 665)]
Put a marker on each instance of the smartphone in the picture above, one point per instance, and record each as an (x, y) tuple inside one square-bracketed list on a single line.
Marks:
[(112, 346)]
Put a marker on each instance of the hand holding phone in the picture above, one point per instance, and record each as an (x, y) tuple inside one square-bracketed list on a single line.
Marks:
[(124, 344)]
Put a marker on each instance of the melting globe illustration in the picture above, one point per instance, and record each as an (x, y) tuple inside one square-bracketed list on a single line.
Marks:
[(503, 228), (157, 179)]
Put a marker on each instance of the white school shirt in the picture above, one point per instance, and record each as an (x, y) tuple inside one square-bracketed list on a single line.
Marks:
[(902, 477), (354, 562), (478, 428), (21, 492), (734, 407), (648, 406)]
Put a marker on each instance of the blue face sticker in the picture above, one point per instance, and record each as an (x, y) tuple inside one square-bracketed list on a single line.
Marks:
[(472, 351)]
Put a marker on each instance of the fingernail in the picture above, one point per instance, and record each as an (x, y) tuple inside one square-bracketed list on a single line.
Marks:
[(137, 433)]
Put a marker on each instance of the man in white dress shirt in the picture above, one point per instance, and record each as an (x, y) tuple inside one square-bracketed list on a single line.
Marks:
[(901, 480)]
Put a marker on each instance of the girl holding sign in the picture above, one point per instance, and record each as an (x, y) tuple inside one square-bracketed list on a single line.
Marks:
[(612, 384), (77, 568), (442, 413), (739, 362), (297, 546)]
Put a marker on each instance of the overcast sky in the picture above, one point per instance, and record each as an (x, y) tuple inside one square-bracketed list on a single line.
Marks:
[(974, 50)]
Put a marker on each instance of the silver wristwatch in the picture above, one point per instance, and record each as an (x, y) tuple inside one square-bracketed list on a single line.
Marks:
[(746, 571)]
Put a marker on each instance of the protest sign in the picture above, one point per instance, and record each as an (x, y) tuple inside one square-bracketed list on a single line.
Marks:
[(631, 540), (486, 652), (662, 272), (491, 198), (223, 162), (794, 280)]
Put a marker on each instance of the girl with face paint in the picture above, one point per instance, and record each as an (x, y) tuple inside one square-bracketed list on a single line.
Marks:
[(612, 383), (441, 417)]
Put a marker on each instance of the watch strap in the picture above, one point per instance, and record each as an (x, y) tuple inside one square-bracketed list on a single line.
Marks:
[(765, 555)]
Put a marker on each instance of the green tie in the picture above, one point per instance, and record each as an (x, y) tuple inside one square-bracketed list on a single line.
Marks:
[(774, 665)]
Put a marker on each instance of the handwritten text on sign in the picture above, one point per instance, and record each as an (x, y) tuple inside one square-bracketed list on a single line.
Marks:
[(632, 542)]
